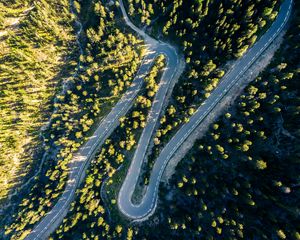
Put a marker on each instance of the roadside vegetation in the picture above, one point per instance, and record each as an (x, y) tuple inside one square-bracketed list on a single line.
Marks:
[(36, 42)]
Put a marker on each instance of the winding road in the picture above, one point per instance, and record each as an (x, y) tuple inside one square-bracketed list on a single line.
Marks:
[(174, 67), (149, 200)]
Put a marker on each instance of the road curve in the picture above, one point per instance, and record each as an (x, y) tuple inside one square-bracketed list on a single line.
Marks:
[(85, 154), (147, 205)]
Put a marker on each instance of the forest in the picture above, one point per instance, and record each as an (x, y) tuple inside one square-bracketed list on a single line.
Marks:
[(239, 181), (34, 58)]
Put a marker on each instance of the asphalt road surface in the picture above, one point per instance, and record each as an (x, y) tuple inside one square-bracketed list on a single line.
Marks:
[(82, 158)]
